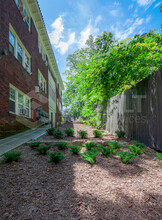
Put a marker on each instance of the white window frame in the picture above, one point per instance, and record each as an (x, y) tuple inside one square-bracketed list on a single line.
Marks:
[(42, 82)]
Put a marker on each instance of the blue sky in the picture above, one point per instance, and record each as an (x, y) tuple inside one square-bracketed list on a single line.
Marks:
[(70, 22)]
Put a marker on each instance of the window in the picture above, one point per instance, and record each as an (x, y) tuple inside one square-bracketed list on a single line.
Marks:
[(27, 105), (19, 53), (42, 82), (27, 63), (20, 101), (11, 42), (26, 18), (12, 100)]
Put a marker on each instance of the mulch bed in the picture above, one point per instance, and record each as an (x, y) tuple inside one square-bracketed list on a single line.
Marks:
[(34, 189)]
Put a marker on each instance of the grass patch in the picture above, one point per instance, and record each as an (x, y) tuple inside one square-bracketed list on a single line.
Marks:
[(135, 149), (138, 144), (159, 155)]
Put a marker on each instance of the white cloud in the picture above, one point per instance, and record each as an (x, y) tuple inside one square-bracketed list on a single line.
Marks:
[(159, 3), (84, 35), (56, 36), (130, 7), (145, 2), (116, 3), (122, 34), (148, 18), (98, 19), (114, 13)]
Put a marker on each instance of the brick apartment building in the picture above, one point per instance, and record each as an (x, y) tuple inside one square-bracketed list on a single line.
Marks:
[(30, 82)]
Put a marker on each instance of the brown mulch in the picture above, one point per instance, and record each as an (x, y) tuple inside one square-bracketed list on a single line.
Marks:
[(34, 189)]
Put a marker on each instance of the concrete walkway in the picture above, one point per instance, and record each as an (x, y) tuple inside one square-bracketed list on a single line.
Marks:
[(14, 141)]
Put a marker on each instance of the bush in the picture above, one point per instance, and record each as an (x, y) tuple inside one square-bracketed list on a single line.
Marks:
[(56, 157), (106, 151), (114, 146), (83, 134), (90, 145), (57, 133), (11, 156), (69, 132), (61, 145), (75, 149), (50, 131), (138, 144), (43, 149), (159, 155), (97, 134), (135, 149), (90, 155), (126, 156), (120, 133), (34, 145)]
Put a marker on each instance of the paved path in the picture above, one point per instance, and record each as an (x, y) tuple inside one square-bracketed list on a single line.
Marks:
[(14, 141)]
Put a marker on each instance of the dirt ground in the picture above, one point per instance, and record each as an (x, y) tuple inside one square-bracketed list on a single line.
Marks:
[(34, 189)]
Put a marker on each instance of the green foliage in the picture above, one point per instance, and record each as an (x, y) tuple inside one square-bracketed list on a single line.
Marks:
[(50, 131), (11, 156), (114, 147), (126, 156), (135, 149), (159, 155), (34, 145), (83, 134), (90, 155), (106, 151), (97, 134), (43, 149), (69, 132), (120, 133), (57, 133), (90, 145), (75, 149), (56, 157), (61, 145), (138, 144), (105, 68)]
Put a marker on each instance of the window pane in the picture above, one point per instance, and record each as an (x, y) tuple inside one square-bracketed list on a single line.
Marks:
[(27, 63), (19, 49), (27, 102), (11, 48), (12, 106), (20, 98), (27, 112), (12, 94), (11, 39)]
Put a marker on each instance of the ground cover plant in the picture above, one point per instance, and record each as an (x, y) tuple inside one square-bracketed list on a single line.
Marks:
[(138, 144), (90, 155), (120, 133), (106, 151), (56, 157), (10, 157), (69, 132), (75, 149), (159, 155), (43, 149), (114, 147), (83, 134), (135, 149), (50, 131), (126, 156), (34, 145), (97, 134), (57, 133), (61, 145), (90, 145)]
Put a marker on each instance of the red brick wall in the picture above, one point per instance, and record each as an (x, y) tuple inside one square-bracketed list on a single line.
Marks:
[(58, 112), (11, 71)]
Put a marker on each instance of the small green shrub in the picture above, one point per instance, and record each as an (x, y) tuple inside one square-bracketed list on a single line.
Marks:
[(106, 151), (56, 157), (114, 146), (159, 155), (75, 149), (135, 149), (126, 156), (50, 131), (97, 134), (57, 133), (69, 132), (90, 155), (11, 156), (61, 145), (120, 133), (83, 134), (43, 149), (138, 144), (90, 145), (34, 145)]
